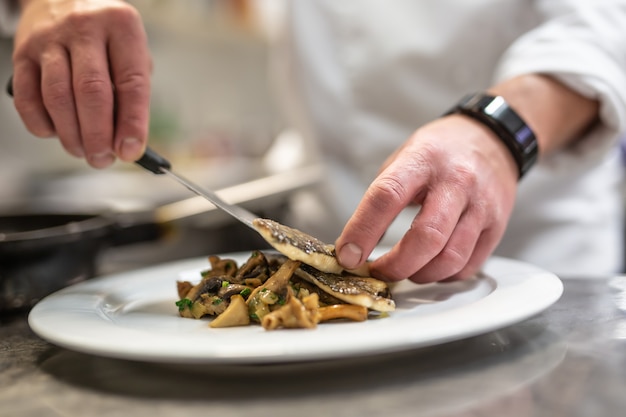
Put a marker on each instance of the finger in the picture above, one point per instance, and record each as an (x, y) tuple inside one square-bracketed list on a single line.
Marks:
[(130, 70), (56, 88), (94, 100), (455, 255), (384, 199), (28, 100), (428, 236), (485, 246)]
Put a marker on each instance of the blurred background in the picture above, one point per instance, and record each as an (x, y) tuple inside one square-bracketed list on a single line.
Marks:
[(213, 115)]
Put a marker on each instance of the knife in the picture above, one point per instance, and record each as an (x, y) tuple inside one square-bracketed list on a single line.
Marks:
[(157, 164)]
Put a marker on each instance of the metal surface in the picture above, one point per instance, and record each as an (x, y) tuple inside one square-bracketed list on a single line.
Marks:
[(567, 361)]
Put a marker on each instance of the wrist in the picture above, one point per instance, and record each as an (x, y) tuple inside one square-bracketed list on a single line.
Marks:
[(558, 115), (494, 113)]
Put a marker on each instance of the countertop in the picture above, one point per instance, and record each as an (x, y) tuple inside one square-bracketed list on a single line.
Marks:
[(569, 361)]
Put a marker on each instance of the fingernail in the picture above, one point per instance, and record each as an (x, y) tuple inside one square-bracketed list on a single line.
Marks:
[(350, 255), (132, 148), (101, 160)]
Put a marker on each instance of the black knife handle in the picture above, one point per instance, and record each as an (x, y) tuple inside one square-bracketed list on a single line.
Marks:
[(10, 86), (153, 162), (150, 160)]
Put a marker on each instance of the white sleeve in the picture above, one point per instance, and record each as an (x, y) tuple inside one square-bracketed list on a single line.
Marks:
[(9, 14), (582, 43)]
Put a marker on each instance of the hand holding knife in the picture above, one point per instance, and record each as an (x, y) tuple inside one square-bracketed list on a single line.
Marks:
[(159, 165)]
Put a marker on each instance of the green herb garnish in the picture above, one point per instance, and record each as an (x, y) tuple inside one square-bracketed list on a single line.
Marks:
[(185, 302), (217, 301), (245, 292), (225, 284)]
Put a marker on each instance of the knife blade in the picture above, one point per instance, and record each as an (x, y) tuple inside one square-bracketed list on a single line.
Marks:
[(157, 164)]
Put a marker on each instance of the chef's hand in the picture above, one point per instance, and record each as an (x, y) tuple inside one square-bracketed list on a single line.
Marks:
[(464, 179), (82, 73)]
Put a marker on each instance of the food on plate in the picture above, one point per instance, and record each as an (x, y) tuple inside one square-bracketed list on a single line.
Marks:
[(351, 289), (278, 292), (299, 246)]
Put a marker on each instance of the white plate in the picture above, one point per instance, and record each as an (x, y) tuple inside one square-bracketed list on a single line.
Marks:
[(133, 316)]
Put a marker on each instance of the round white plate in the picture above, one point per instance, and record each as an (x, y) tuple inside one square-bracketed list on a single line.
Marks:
[(133, 315)]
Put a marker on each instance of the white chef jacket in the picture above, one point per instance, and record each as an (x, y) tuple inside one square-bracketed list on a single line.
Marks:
[(359, 76)]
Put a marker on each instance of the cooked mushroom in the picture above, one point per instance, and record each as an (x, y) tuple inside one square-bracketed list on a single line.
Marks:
[(236, 314), (343, 311), (209, 284), (226, 292), (256, 267), (211, 305), (183, 288), (220, 267), (301, 314), (274, 289), (280, 292)]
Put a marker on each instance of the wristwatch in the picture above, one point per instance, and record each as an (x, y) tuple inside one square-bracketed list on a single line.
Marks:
[(497, 115)]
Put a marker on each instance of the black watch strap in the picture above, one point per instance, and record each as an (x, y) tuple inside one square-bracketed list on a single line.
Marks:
[(495, 113)]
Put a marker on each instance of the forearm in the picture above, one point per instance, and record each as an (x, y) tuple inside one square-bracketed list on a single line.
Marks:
[(557, 115)]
